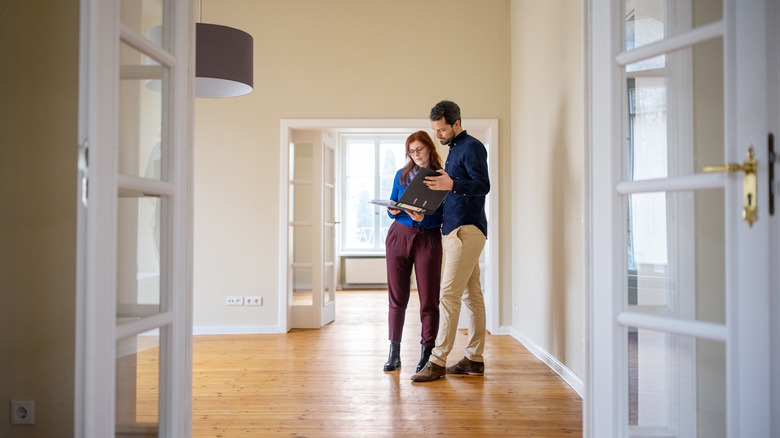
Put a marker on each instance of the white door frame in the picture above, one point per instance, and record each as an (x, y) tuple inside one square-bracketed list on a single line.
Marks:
[(749, 250), (100, 185), (484, 129)]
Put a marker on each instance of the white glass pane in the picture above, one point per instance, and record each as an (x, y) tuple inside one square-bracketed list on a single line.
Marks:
[(301, 161), (302, 287), (360, 159), (329, 171), (329, 208), (358, 220), (676, 255), (392, 156), (675, 115), (645, 24), (139, 276), (648, 134), (302, 243), (141, 15), (665, 396), (138, 385), (328, 294), (301, 202), (141, 148)]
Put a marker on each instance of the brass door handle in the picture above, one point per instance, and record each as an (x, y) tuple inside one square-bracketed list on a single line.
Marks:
[(750, 188)]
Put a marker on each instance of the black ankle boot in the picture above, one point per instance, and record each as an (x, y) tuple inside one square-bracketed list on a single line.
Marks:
[(425, 354), (394, 359)]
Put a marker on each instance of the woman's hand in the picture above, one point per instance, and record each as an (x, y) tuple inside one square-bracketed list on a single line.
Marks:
[(393, 211), (416, 216)]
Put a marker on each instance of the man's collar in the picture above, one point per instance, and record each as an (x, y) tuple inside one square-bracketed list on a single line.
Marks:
[(457, 138)]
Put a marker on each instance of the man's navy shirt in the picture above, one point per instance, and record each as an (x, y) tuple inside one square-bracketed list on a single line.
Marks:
[(467, 166)]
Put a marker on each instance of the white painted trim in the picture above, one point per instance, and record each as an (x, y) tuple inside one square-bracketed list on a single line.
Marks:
[(699, 329), (681, 41), (570, 377), (698, 181), (604, 413), (138, 42), (284, 311), (236, 330)]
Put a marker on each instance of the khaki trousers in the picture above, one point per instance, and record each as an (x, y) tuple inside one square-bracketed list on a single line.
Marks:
[(460, 283)]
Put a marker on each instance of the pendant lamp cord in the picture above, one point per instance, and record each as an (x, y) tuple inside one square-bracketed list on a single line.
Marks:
[(200, 17)]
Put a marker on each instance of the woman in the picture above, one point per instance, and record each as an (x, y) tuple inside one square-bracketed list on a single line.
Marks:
[(413, 240)]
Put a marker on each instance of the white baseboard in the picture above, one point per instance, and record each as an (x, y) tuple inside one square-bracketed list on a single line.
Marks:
[(572, 379), (235, 330)]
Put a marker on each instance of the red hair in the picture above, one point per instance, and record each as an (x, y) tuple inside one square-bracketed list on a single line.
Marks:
[(434, 161)]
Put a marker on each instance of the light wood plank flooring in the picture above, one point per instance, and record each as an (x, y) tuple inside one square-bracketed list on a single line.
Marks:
[(329, 383)]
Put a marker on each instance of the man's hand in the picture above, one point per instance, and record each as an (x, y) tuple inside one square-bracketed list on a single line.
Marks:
[(441, 182)]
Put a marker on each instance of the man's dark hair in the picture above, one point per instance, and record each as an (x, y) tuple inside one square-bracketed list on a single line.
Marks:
[(447, 109)]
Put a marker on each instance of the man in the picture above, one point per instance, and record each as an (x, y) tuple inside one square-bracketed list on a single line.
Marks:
[(464, 230)]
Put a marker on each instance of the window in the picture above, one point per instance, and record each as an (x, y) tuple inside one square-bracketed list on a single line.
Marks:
[(369, 164)]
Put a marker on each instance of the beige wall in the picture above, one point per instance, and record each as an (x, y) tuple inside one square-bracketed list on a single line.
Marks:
[(547, 295), (38, 121), (334, 59)]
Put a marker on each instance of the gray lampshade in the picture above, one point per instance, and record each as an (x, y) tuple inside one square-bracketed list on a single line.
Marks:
[(223, 61)]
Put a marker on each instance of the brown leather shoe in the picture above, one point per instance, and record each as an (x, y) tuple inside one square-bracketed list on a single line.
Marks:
[(467, 366), (429, 373)]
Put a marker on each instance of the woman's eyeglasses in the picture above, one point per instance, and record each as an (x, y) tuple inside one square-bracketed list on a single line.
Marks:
[(416, 151)]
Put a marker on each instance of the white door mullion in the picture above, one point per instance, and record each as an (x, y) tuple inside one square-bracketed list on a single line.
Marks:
[(604, 413), (749, 410), (95, 315)]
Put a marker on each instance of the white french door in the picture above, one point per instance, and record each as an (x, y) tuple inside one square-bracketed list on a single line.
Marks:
[(681, 259), (134, 345), (310, 229)]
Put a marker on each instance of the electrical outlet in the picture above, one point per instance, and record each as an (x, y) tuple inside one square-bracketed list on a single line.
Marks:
[(254, 301), (22, 412), (235, 301)]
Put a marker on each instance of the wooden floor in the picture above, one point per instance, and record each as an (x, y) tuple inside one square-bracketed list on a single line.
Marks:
[(329, 383)]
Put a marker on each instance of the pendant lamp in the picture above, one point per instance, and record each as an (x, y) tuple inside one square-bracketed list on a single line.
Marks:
[(223, 60)]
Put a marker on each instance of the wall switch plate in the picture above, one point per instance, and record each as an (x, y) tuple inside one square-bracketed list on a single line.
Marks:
[(22, 412), (254, 301), (235, 301)]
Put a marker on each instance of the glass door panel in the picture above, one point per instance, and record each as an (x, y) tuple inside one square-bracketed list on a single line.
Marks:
[(650, 21), (328, 228), (328, 225), (662, 383), (141, 15), (676, 264), (140, 117), (301, 223), (139, 284), (138, 383), (676, 260)]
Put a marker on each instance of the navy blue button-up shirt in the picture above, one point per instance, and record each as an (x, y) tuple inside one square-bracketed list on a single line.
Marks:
[(467, 166)]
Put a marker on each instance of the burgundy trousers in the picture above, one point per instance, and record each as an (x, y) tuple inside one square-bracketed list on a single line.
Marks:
[(419, 248)]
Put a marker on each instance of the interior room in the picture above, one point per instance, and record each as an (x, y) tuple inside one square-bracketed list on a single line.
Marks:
[(325, 70)]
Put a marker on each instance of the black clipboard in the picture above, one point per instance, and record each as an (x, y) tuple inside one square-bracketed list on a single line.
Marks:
[(417, 197)]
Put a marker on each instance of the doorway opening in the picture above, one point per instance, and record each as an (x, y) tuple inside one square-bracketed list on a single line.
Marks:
[(486, 130)]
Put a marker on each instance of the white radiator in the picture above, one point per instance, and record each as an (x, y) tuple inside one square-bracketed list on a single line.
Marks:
[(365, 270)]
